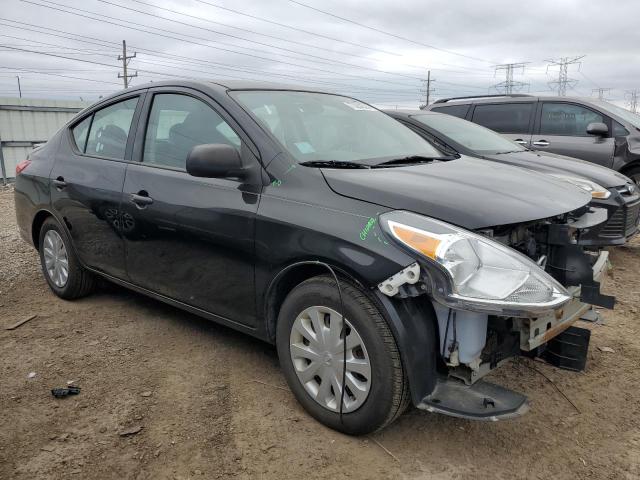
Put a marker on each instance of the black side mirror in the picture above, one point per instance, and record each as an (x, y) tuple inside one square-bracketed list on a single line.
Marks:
[(214, 160), (597, 128)]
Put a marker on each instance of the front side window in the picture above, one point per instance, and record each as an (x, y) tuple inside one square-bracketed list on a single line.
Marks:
[(626, 115), (177, 123), (505, 117), (567, 119), (110, 130), (459, 111), (325, 127), (80, 132), (474, 137)]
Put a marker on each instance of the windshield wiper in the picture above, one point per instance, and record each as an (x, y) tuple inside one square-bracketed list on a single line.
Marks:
[(412, 160), (333, 164)]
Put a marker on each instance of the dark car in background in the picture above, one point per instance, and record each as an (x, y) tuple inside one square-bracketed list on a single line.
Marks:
[(584, 128), (384, 272), (609, 189)]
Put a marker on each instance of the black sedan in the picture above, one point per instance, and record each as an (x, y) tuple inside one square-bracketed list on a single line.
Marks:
[(610, 190), (277, 212)]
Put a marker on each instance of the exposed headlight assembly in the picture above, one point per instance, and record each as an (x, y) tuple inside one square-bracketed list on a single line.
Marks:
[(596, 191), (472, 272)]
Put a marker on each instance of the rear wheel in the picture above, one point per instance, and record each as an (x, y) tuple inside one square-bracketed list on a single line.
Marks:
[(61, 268), (310, 338)]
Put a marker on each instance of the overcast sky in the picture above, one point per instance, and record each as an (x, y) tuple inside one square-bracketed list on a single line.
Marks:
[(459, 41)]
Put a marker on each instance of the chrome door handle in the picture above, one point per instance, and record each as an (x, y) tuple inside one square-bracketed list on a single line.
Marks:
[(541, 143), (521, 141), (59, 183), (141, 201)]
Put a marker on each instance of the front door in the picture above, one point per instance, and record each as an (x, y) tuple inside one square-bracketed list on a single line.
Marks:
[(563, 130), (87, 180), (192, 239)]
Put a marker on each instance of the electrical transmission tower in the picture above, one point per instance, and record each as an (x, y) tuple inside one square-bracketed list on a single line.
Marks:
[(125, 75), (427, 90), (632, 99), (509, 85), (563, 73), (601, 92)]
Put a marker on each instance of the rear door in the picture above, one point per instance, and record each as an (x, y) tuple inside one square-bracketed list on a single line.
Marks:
[(87, 180), (513, 120), (562, 128), (191, 239)]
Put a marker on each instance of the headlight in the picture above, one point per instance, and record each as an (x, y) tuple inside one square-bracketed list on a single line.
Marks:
[(473, 272), (596, 191)]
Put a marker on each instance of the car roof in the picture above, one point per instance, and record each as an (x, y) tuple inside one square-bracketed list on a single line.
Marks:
[(409, 112)]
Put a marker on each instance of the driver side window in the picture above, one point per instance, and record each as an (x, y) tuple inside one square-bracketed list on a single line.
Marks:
[(177, 123)]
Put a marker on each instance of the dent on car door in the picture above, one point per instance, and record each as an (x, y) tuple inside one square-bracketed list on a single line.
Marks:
[(87, 180), (192, 239), (563, 130), (513, 120)]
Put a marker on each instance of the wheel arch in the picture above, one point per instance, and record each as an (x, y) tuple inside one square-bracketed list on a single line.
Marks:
[(36, 226), (412, 321), (634, 165)]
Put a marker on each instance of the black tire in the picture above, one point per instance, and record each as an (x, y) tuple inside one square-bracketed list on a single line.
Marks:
[(389, 392), (634, 174), (80, 282)]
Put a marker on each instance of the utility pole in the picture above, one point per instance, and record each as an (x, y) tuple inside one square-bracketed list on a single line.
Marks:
[(427, 90), (632, 101), (19, 87), (125, 63), (563, 73), (601, 92), (509, 85)]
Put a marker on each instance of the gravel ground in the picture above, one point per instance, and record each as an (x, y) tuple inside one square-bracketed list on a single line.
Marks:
[(207, 402)]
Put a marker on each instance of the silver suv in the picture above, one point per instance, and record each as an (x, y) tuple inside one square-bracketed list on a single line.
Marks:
[(592, 130)]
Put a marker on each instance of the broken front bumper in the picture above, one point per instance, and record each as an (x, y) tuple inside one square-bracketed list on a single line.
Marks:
[(535, 332)]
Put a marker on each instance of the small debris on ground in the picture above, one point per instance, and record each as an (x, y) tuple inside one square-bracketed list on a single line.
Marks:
[(147, 393), (606, 349), (130, 431), (21, 322), (65, 392), (31, 375)]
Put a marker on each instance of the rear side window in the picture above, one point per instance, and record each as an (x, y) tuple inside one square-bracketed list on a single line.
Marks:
[(567, 119), (459, 111), (80, 132), (177, 123), (505, 117), (110, 130)]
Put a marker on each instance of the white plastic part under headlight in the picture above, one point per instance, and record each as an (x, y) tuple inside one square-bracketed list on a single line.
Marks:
[(473, 271), (596, 190)]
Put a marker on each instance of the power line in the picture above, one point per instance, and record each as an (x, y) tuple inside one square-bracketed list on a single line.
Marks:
[(450, 52), (164, 35), (172, 20), (508, 86), (563, 77)]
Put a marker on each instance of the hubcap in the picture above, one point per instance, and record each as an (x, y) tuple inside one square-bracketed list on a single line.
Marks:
[(56, 261), (316, 346)]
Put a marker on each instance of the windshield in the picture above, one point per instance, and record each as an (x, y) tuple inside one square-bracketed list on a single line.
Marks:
[(470, 135), (632, 118), (318, 126)]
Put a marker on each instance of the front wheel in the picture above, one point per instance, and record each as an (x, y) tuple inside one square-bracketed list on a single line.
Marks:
[(310, 339)]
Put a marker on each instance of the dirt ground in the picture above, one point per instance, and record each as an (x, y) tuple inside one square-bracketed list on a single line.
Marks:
[(193, 389)]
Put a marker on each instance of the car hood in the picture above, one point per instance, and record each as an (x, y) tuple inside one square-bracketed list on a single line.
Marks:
[(551, 163), (467, 192)]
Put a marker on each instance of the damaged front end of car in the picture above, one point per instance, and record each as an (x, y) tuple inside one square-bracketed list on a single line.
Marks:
[(498, 293)]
